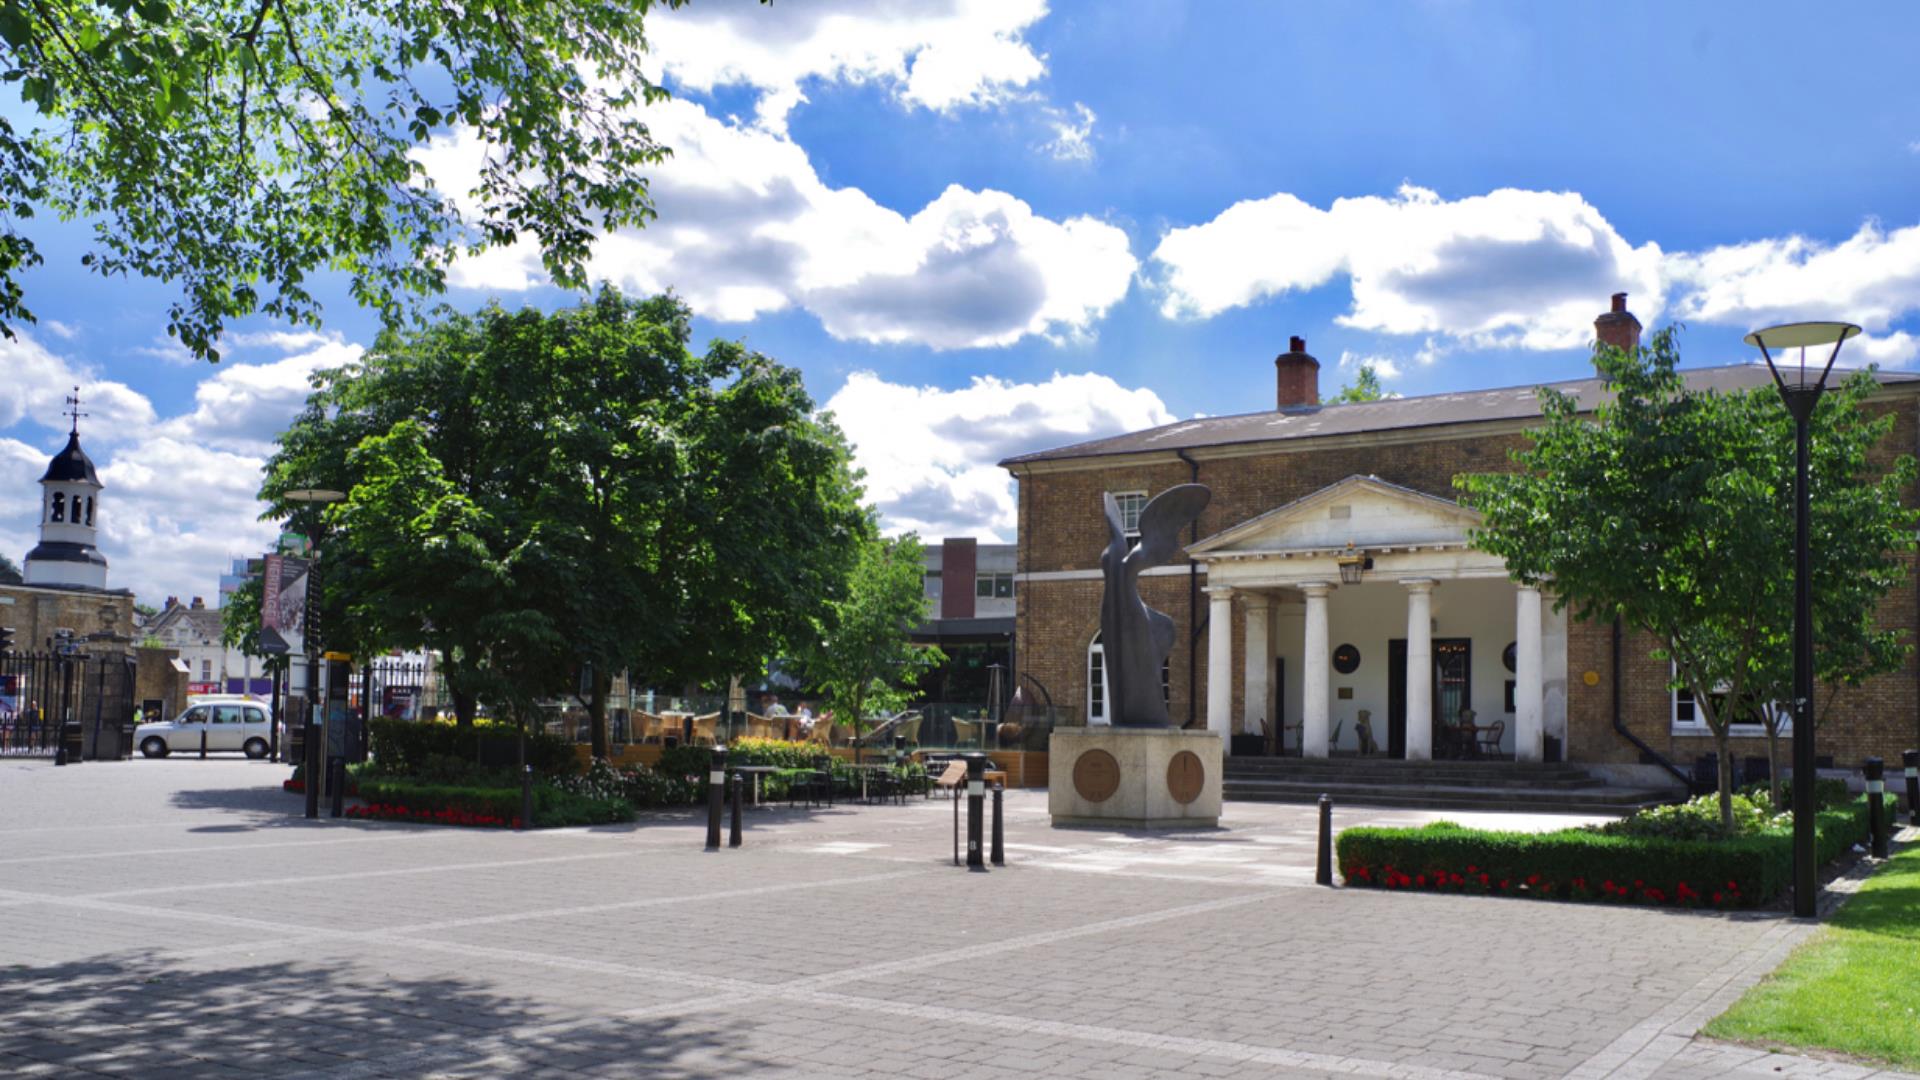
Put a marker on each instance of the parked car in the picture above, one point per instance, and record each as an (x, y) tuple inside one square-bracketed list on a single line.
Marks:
[(229, 722)]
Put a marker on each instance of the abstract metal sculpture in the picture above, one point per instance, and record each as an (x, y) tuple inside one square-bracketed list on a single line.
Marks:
[(1135, 638)]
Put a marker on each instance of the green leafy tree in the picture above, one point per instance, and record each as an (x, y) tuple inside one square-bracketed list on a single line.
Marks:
[(864, 660), (238, 147), (9, 571), (1670, 509), (547, 500), (1365, 387)]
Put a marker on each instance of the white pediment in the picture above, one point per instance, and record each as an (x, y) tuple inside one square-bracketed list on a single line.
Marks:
[(1364, 512)]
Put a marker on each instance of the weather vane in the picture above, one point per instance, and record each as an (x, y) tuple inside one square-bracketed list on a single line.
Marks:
[(73, 410)]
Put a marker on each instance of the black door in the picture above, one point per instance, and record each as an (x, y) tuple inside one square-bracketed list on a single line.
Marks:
[(1397, 698), (1276, 727)]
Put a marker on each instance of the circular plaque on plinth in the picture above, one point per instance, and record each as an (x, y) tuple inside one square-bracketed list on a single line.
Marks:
[(1096, 776), (1185, 777)]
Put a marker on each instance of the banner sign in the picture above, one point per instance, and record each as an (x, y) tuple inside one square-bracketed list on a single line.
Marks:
[(9, 696), (400, 702), (283, 605), (196, 688), (252, 687)]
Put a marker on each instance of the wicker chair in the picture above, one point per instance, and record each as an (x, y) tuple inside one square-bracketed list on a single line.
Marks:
[(705, 729), (1488, 738)]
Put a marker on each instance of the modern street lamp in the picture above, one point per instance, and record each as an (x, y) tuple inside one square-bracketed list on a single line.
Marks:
[(1800, 388), (316, 759)]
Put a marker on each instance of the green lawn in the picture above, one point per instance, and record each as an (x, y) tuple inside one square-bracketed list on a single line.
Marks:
[(1855, 987)]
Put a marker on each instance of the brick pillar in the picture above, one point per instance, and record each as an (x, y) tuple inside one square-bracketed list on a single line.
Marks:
[(1297, 376)]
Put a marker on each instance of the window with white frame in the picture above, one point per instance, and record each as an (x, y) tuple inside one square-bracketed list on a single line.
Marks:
[(931, 582), (1690, 719), (1097, 682), (1130, 503), (997, 585)]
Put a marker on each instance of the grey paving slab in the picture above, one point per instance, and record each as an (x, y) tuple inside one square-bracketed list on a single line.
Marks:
[(183, 919)]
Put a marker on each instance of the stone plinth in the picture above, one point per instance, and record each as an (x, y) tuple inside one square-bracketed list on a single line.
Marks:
[(1134, 777)]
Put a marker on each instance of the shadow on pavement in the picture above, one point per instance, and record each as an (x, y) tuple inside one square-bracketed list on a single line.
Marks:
[(136, 1016)]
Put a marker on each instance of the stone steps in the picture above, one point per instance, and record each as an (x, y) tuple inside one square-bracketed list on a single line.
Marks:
[(1443, 785)]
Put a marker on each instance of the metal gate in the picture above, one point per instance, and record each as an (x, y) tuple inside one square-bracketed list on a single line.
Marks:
[(88, 697)]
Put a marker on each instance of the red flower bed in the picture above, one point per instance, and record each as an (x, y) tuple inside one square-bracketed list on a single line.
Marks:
[(1472, 879), (445, 815)]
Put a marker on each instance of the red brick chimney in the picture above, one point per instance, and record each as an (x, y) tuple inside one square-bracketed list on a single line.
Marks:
[(1297, 375), (1618, 327)]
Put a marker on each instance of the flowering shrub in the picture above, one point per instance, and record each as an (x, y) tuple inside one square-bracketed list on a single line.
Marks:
[(635, 784), (1698, 819), (1581, 864), (444, 816)]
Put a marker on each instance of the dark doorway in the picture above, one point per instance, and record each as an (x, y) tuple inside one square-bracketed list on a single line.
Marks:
[(1452, 677), (1397, 698)]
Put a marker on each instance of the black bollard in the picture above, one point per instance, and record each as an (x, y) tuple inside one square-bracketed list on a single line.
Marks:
[(1877, 823), (999, 856), (337, 783), (716, 796), (734, 792), (1911, 760), (60, 754), (312, 770), (526, 797), (976, 809), (203, 744), (1323, 865)]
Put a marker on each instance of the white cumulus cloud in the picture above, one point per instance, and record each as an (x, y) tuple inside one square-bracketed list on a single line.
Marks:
[(930, 453), (747, 227), (932, 54), (1511, 268), (1872, 278), (179, 499)]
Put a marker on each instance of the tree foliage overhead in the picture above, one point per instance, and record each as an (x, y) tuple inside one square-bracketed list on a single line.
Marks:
[(1672, 509), (9, 572), (238, 147), (545, 500)]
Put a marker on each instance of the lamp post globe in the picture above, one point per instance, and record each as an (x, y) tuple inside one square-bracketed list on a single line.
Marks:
[(1785, 349)]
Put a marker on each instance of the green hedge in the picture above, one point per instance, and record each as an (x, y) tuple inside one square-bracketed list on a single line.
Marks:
[(551, 806), (1575, 864), (407, 746)]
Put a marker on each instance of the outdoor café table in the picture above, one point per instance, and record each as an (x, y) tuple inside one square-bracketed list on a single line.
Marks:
[(865, 771), (756, 772)]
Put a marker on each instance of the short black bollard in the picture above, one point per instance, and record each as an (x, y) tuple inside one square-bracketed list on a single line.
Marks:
[(337, 783), (716, 796), (976, 809), (203, 744), (312, 770), (999, 856), (526, 798), (60, 754), (734, 792), (1877, 823), (1911, 760), (1323, 865)]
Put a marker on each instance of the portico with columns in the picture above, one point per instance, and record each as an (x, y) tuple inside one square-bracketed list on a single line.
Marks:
[(1341, 599)]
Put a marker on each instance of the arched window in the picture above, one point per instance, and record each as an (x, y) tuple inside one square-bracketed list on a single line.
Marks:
[(59, 506), (1099, 691)]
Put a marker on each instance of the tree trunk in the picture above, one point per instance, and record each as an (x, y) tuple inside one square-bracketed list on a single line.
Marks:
[(597, 712), (1773, 760), (1723, 746), (464, 707)]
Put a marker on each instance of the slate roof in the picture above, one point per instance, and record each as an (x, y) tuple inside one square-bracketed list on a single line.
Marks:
[(1396, 414), (72, 464)]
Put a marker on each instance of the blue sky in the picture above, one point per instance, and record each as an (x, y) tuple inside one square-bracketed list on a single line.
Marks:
[(985, 227)]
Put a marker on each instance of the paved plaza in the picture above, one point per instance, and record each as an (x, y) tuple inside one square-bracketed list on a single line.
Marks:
[(180, 918)]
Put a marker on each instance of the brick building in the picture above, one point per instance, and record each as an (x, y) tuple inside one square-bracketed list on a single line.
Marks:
[(1278, 645)]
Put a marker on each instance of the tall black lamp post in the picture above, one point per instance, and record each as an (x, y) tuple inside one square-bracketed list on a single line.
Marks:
[(316, 762), (1800, 387)]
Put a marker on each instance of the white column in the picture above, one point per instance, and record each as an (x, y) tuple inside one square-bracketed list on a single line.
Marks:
[(1316, 685), (1220, 662), (1419, 669), (1259, 662), (1529, 681)]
